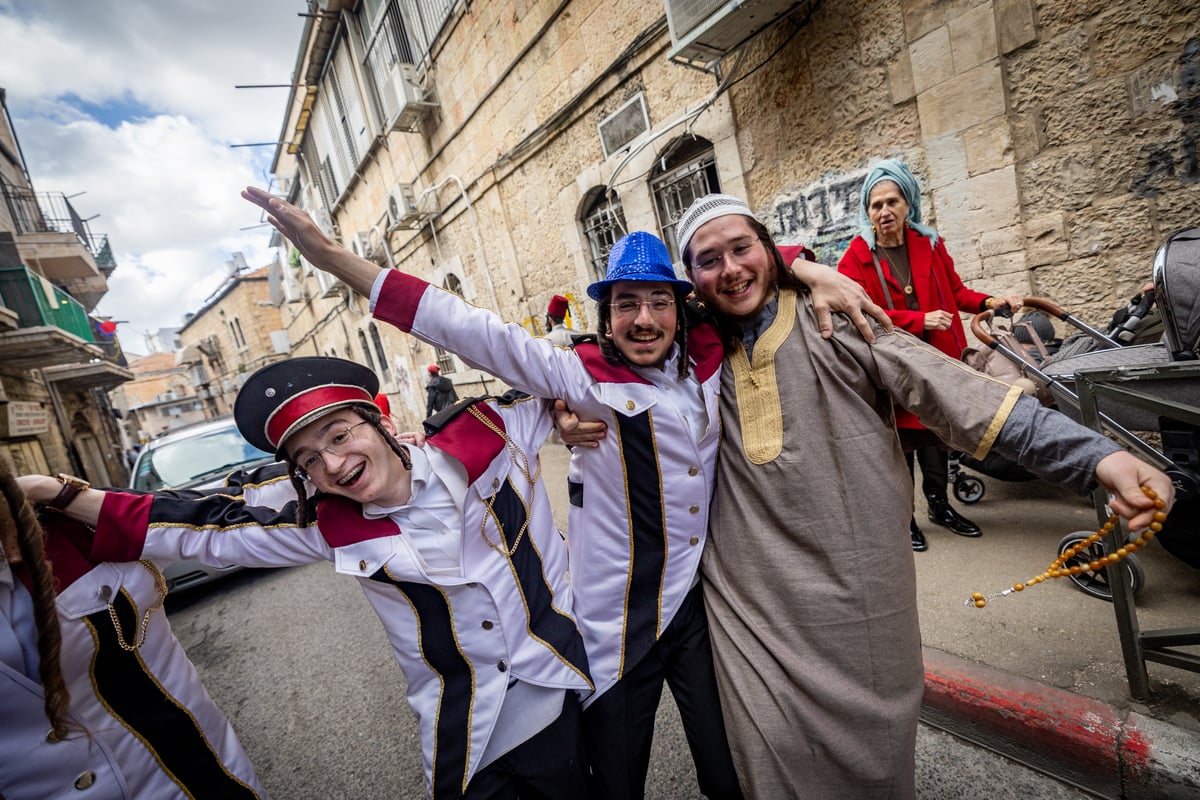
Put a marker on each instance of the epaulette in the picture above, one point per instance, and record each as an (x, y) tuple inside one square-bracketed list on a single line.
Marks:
[(447, 415)]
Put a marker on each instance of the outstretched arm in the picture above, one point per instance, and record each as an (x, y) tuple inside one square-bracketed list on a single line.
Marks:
[(832, 291), (299, 228), (43, 489)]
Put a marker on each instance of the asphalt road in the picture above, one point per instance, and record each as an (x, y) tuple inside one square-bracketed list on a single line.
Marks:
[(301, 666)]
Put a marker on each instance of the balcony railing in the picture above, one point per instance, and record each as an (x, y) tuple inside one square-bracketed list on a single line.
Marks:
[(39, 302), (30, 296), (52, 212)]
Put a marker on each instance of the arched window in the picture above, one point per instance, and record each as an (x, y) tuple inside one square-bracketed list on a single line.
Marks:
[(445, 360), (687, 170), (603, 223), (366, 349), (384, 370)]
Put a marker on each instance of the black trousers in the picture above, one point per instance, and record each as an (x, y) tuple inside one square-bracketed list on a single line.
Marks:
[(933, 457), (550, 766), (618, 728)]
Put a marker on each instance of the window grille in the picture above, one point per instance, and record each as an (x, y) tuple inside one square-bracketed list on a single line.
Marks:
[(603, 223), (366, 349), (384, 370), (687, 171)]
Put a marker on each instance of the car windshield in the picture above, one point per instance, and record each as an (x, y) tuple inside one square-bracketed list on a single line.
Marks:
[(189, 461)]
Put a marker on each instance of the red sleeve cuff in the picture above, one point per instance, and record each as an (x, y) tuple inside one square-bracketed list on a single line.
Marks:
[(398, 299), (121, 528)]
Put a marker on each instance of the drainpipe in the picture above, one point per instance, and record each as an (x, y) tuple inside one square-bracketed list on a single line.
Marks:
[(487, 272)]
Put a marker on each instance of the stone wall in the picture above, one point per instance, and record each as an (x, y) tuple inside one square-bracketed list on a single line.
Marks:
[(1056, 142), (1106, 104)]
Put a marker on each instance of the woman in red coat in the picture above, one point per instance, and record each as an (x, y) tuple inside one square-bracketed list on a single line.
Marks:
[(923, 295)]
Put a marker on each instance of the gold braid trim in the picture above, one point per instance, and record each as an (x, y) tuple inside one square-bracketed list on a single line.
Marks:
[(759, 406), (993, 430)]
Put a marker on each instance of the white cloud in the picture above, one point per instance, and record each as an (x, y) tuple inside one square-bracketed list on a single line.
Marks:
[(149, 143)]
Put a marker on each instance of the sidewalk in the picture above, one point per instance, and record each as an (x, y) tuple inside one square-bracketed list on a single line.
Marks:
[(1116, 753)]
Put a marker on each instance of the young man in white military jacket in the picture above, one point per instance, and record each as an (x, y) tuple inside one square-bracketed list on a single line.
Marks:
[(97, 697), (454, 546)]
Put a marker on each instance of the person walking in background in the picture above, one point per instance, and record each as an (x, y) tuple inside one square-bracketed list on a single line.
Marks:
[(556, 328), (439, 391), (97, 697), (905, 267)]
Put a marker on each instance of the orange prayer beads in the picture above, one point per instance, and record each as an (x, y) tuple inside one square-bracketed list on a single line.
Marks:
[(1056, 568)]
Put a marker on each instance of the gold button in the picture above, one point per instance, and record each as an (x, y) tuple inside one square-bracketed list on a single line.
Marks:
[(695, 540), (362, 566), (629, 405), (693, 471), (487, 625), (85, 780), (694, 509)]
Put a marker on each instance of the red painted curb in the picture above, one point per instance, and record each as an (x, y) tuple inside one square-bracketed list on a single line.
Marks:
[(1039, 718)]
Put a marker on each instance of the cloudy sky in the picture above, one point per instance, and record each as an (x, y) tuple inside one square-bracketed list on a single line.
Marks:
[(133, 105)]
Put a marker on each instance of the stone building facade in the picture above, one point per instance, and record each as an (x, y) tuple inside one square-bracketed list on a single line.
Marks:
[(237, 331), (56, 358), (1055, 141), (161, 396)]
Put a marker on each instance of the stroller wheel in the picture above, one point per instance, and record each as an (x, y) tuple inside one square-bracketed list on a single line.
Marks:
[(968, 490), (1096, 583)]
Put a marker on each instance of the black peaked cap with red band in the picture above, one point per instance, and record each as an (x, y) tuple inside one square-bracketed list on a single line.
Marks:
[(281, 398)]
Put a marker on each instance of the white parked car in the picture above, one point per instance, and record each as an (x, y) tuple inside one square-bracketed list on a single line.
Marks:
[(198, 456)]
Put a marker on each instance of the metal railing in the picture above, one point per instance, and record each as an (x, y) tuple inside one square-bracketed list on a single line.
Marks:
[(52, 212), (38, 302)]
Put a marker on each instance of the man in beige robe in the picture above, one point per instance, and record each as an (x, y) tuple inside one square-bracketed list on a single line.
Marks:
[(809, 575)]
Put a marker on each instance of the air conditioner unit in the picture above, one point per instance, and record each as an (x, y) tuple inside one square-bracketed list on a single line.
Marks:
[(403, 98), (402, 207), (327, 285), (291, 288), (325, 222), (282, 284), (704, 31), (363, 246)]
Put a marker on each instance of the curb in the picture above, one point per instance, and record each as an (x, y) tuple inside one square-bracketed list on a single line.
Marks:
[(1112, 752)]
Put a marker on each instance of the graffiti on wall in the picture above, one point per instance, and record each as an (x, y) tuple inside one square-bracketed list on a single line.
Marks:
[(823, 215), (406, 387), (1176, 161)]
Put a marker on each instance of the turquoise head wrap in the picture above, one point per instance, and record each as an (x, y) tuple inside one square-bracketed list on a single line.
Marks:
[(896, 171)]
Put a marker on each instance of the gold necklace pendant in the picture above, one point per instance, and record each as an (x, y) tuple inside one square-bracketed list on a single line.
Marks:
[(521, 462), (908, 289), (160, 583)]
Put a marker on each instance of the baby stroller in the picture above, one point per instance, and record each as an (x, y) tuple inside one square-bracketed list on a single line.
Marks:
[(1053, 379)]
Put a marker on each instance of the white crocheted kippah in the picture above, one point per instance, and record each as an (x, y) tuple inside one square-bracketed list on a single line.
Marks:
[(705, 209)]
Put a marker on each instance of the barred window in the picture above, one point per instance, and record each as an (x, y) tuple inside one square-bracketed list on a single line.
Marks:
[(384, 370), (686, 171), (603, 223)]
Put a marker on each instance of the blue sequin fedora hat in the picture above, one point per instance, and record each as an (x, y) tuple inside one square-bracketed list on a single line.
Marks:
[(638, 256)]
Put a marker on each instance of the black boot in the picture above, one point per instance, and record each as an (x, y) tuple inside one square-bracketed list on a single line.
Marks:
[(940, 513), (918, 538)]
